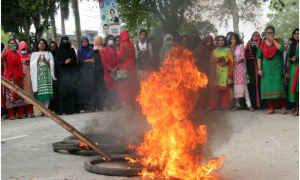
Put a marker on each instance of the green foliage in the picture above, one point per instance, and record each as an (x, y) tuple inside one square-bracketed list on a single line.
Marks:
[(202, 27), (11, 16), (171, 13), (285, 21), (4, 37)]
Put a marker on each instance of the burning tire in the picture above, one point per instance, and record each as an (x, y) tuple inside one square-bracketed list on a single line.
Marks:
[(118, 166), (108, 143)]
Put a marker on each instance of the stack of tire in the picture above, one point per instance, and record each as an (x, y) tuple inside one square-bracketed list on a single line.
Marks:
[(108, 143)]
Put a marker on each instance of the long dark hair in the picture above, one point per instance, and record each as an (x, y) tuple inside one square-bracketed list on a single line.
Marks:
[(224, 38), (37, 45), (106, 40), (237, 39), (294, 44)]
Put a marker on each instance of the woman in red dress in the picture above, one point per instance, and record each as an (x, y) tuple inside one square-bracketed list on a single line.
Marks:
[(127, 87)]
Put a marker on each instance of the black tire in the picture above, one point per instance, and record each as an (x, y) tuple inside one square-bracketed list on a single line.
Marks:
[(114, 145), (90, 165), (68, 146), (118, 147)]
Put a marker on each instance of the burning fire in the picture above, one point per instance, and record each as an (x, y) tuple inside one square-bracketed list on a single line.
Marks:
[(85, 145), (167, 97)]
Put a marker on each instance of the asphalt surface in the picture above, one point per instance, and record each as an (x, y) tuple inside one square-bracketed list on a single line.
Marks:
[(256, 146)]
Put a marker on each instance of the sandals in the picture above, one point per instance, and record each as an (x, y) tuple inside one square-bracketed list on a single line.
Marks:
[(4, 117), (251, 108), (270, 112), (12, 118), (21, 117), (296, 113), (236, 108), (283, 111), (30, 115)]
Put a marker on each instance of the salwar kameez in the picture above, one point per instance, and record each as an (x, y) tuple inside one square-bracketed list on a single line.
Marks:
[(272, 84), (41, 77), (109, 61), (292, 69), (220, 72), (252, 71), (13, 72), (127, 87)]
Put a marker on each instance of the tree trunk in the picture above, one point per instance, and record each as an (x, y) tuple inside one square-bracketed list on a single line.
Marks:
[(148, 24), (53, 27), (62, 19), (26, 28), (235, 16), (77, 21)]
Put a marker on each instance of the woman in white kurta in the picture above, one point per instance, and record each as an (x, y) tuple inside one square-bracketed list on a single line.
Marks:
[(42, 73)]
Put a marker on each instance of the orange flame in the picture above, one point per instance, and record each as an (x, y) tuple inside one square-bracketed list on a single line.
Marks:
[(167, 97), (84, 145)]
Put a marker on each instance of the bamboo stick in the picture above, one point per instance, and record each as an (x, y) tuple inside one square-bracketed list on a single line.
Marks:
[(54, 117)]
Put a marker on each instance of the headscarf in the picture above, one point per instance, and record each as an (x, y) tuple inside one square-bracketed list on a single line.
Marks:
[(24, 57), (195, 40), (85, 52), (165, 39), (257, 40), (64, 50), (267, 51), (124, 36), (98, 43), (53, 52), (203, 48)]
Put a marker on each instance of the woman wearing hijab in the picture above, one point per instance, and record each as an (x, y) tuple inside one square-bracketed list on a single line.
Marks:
[(110, 63), (14, 73), (42, 73), (293, 64), (195, 40), (252, 71), (100, 91), (65, 62), (221, 65), (167, 46), (127, 87), (270, 62), (87, 76), (25, 59), (203, 55), (54, 103)]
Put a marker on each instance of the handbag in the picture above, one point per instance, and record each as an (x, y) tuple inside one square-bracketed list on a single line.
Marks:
[(229, 81), (123, 74)]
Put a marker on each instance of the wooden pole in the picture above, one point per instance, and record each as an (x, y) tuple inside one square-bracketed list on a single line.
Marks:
[(54, 117)]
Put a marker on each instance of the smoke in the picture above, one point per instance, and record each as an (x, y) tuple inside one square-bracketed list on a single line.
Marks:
[(218, 130), (128, 125)]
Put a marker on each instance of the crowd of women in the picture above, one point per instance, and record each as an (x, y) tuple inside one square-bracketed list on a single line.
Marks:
[(263, 70)]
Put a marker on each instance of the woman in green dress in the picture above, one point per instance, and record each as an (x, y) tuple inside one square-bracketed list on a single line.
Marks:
[(42, 73), (293, 64), (270, 63)]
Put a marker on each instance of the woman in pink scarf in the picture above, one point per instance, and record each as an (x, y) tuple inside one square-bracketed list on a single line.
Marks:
[(25, 59)]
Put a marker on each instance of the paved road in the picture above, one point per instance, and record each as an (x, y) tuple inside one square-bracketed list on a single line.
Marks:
[(256, 146)]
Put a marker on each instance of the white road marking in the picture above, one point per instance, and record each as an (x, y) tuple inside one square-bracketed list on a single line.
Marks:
[(11, 138)]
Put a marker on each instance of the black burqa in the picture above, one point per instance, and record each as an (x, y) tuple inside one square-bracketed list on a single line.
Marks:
[(100, 88), (54, 103), (66, 77), (87, 86)]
